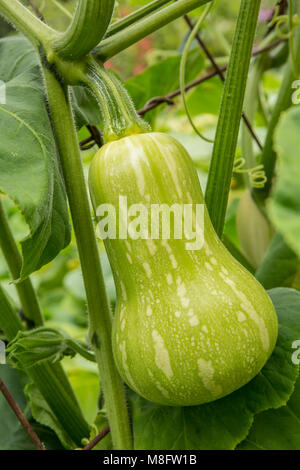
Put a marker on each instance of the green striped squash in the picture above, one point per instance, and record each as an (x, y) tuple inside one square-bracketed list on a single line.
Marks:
[(190, 326)]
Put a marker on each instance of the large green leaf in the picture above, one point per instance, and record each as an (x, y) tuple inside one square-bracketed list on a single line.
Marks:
[(277, 429), (86, 108), (279, 266), (73, 281), (206, 97), (223, 424), (284, 206), (43, 415), (29, 172), (162, 78), (86, 386)]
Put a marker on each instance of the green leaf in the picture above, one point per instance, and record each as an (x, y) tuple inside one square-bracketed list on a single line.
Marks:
[(47, 436), (29, 172), (10, 322), (230, 228), (225, 423), (279, 266), (74, 283), (12, 435), (43, 415), (149, 84), (206, 97), (284, 205), (277, 429), (86, 386), (86, 108)]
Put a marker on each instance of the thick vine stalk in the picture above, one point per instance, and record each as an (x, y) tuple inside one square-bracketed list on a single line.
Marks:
[(87, 28), (98, 306), (135, 16), (220, 174), (148, 25)]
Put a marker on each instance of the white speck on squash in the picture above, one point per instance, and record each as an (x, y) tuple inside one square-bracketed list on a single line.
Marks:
[(147, 269), (241, 316), (162, 359), (151, 246), (208, 266), (149, 311), (206, 373), (129, 258)]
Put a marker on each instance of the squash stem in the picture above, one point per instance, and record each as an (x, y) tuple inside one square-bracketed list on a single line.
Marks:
[(119, 114)]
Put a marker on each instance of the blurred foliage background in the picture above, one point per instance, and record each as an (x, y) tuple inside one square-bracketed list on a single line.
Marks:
[(149, 68)]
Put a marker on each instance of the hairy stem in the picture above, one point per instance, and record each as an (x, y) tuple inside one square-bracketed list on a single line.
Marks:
[(119, 114), (223, 156), (98, 306)]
